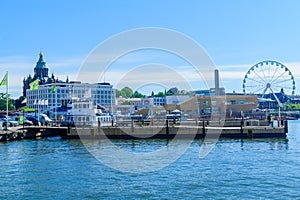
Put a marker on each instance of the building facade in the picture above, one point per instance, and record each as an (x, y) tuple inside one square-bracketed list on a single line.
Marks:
[(46, 99), (231, 105)]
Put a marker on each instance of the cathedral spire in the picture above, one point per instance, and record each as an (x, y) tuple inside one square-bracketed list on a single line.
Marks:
[(41, 63), (41, 70)]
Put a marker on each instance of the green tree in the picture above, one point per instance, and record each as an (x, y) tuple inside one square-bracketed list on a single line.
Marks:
[(136, 94), (18, 102), (118, 93), (3, 102), (160, 94), (127, 92)]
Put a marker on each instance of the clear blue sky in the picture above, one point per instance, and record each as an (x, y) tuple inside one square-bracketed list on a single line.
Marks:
[(232, 32)]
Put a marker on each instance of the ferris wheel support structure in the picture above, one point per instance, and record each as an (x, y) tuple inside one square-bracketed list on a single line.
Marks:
[(269, 76)]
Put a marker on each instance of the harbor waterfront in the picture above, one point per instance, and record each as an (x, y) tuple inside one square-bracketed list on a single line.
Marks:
[(149, 100), (136, 130), (236, 168)]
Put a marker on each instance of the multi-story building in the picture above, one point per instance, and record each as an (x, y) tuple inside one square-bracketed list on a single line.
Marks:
[(231, 105), (44, 100), (51, 101)]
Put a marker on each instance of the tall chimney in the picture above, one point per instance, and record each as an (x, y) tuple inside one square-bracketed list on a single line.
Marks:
[(217, 86)]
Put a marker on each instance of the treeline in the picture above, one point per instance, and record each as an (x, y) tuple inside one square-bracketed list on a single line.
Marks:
[(127, 92), (12, 104)]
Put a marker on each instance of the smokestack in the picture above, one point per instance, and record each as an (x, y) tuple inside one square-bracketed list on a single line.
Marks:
[(217, 86)]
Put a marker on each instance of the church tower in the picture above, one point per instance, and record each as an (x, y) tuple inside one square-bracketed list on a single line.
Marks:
[(40, 70), (40, 73)]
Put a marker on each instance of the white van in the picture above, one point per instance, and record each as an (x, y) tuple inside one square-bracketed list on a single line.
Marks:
[(44, 119)]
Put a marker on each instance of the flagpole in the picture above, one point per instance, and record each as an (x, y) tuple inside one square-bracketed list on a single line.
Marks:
[(55, 102), (38, 104), (7, 99)]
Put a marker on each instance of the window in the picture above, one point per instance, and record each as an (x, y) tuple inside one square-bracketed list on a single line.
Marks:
[(233, 102), (241, 102), (213, 103), (205, 103)]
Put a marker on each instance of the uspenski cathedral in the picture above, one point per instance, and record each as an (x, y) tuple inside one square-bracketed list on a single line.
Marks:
[(40, 73)]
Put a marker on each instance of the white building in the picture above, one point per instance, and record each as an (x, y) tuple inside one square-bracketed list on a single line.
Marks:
[(42, 99), (162, 101)]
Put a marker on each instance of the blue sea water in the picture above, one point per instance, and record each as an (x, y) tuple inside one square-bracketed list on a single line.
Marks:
[(235, 169)]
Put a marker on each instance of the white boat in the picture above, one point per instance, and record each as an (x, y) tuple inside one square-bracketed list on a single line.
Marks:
[(84, 113)]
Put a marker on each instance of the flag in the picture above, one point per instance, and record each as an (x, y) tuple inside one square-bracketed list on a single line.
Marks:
[(53, 89), (4, 81), (21, 122), (34, 85)]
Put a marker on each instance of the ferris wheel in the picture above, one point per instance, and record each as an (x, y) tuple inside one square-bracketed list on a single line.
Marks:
[(269, 77)]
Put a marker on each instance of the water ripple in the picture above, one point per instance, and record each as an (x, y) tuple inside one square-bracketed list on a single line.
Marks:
[(235, 169)]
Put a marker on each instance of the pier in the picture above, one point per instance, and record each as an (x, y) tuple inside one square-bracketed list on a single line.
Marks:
[(181, 132), (200, 129)]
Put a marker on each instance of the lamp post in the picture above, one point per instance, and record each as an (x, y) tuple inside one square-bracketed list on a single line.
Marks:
[(198, 104)]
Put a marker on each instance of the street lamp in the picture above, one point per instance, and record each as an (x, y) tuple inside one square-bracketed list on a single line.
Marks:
[(198, 104)]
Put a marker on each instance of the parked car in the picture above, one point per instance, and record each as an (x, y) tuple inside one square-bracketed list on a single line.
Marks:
[(33, 119), (27, 122), (12, 122), (3, 120), (2, 116), (43, 119)]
